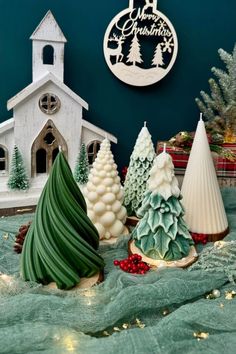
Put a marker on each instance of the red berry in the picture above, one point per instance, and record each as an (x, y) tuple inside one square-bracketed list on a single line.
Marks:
[(139, 258), (116, 262), (122, 265), (142, 271)]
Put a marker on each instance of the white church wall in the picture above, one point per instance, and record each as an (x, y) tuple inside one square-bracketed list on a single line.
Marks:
[(88, 136), (30, 120)]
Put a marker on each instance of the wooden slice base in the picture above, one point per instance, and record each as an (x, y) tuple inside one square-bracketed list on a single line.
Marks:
[(84, 283), (156, 263), (113, 240), (132, 220)]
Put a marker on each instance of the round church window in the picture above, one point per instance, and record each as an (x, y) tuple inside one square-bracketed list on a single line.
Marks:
[(49, 103)]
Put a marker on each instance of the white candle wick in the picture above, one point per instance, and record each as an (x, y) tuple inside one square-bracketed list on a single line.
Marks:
[(164, 147), (201, 116), (60, 149), (145, 124)]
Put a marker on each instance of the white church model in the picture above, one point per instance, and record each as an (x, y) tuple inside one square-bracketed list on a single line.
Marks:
[(47, 114)]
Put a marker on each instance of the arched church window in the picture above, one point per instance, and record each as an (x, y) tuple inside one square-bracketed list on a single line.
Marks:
[(49, 103), (3, 159), (41, 161), (49, 138), (48, 55), (54, 154), (92, 149)]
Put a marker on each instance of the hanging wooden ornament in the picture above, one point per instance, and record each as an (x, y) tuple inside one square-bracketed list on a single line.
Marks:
[(140, 44)]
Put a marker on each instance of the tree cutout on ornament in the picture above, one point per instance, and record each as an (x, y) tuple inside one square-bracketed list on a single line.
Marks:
[(141, 161), (18, 178), (104, 195), (162, 233), (158, 56), (61, 243), (134, 55), (82, 166)]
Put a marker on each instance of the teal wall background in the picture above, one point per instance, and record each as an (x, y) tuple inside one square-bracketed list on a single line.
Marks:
[(168, 106)]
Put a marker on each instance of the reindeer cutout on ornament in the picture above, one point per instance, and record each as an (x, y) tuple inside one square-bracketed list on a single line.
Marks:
[(116, 52)]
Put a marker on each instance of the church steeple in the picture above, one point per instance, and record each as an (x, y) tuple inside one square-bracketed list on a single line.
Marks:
[(48, 48)]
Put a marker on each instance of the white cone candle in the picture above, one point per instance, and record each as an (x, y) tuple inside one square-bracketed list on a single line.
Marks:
[(204, 209)]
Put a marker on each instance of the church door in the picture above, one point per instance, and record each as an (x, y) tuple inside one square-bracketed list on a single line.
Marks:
[(45, 149)]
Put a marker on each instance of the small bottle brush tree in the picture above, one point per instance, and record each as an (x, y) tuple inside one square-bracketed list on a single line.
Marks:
[(82, 166), (18, 178), (162, 233), (219, 107), (104, 195), (140, 164)]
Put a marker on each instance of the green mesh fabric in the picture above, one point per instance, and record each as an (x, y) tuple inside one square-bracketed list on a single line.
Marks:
[(34, 319)]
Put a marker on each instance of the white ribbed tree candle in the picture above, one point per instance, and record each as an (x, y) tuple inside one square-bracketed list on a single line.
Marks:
[(104, 195), (202, 199)]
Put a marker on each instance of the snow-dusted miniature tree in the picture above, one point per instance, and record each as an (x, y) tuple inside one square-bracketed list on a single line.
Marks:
[(219, 107), (18, 178), (162, 232), (134, 55), (141, 161), (104, 195), (158, 56), (82, 166)]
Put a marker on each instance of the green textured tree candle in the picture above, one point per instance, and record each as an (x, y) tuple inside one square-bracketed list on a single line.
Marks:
[(162, 233), (61, 243)]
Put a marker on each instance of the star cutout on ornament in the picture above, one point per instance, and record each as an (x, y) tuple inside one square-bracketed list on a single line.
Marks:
[(167, 45), (161, 24)]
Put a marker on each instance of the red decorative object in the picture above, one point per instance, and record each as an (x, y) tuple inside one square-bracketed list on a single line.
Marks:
[(225, 167), (124, 173), (199, 238), (133, 264)]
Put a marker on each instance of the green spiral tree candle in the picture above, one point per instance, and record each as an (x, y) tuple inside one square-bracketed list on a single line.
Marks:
[(61, 243)]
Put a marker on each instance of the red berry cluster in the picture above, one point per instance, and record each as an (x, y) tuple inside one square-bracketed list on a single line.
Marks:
[(199, 238), (133, 264)]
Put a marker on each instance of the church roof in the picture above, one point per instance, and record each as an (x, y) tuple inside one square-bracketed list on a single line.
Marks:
[(7, 125), (34, 86), (48, 30), (99, 131)]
